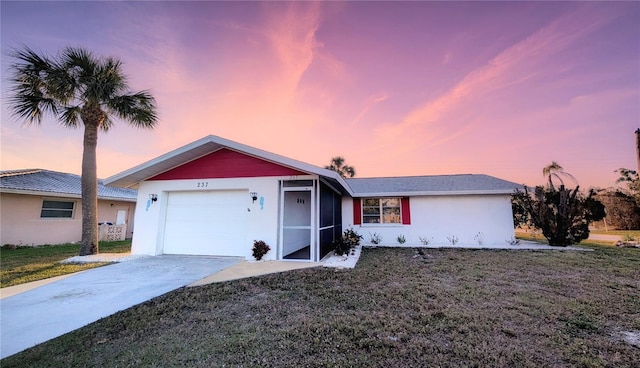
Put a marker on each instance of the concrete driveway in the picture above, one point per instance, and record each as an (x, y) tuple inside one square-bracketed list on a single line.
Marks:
[(38, 315)]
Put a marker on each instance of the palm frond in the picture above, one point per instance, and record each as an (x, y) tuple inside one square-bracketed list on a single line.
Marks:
[(28, 98), (70, 116), (63, 86), (139, 109), (107, 123)]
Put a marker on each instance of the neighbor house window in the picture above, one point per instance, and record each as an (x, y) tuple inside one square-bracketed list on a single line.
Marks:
[(381, 211), (57, 209)]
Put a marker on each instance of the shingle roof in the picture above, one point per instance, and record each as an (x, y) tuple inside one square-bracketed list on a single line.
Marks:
[(431, 185), (38, 180)]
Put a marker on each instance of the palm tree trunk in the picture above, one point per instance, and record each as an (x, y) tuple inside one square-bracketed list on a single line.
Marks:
[(638, 150), (89, 191)]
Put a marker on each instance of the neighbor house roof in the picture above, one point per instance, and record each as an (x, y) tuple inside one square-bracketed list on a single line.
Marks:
[(57, 184), (431, 185), (130, 178)]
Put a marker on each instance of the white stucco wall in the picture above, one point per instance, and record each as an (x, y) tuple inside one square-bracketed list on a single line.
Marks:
[(438, 217), (263, 223)]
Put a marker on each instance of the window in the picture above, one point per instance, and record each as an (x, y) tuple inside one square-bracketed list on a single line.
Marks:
[(57, 209), (381, 211)]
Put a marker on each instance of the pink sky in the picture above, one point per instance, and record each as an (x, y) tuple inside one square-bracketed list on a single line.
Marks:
[(397, 88)]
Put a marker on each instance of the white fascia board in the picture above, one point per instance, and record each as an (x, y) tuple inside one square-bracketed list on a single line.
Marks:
[(432, 193)]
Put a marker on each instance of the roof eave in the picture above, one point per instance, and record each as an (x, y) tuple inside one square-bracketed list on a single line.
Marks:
[(61, 195), (435, 193)]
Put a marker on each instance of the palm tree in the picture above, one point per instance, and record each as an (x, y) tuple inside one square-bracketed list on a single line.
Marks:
[(337, 165), (78, 87), (555, 172)]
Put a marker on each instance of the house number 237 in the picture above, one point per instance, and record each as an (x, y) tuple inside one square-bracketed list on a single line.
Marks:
[(202, 184)]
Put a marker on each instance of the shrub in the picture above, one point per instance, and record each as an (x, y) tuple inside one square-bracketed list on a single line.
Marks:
[(346, 242), (260, 248), (401, 239), (375, 238), (453, 239), (562, 214), (513, 241), (341, 247), (351, 237), (479, 238), (424, 240)]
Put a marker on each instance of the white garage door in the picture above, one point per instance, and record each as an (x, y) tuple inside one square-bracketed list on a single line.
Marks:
[(207, 223)]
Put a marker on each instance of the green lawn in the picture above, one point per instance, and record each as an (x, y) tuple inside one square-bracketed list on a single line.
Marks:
[(26, 264), (397, 308)]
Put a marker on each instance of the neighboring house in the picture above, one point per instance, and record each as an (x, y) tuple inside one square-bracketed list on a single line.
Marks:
[(44, 207), (215, 197)]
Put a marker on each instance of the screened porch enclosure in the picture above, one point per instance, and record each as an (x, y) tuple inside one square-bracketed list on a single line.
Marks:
[(330, 218), (311, 219)]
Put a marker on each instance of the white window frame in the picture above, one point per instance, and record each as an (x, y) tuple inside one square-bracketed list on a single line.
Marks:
[(381, 211), (72, 211)]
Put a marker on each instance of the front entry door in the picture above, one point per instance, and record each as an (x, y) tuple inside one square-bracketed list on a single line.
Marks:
[(296, 230)]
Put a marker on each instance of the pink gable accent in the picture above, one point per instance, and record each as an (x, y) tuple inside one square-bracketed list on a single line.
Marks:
[(226, 163)]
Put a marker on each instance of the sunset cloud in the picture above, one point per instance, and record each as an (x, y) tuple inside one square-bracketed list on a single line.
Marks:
[(511, 67), (398, 88)]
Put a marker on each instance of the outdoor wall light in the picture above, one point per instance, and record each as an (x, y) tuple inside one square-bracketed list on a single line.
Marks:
[(254, 196), (153, 197)]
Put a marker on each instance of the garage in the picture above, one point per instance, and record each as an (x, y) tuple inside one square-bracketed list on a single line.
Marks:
[(207, 223)]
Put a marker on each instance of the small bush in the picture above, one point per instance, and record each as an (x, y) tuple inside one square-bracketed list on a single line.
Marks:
[(375, 238), (401, 239), (479, 238), (453, 239), (260, 248), (343, 245), (424, 240), (352, 237), (513, 241)]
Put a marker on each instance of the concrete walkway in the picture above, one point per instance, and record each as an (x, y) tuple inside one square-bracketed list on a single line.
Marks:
[(42, 313), (246, 269)]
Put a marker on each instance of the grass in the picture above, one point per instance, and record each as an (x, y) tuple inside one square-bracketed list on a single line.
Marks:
[(26, 264), (622, 233), (400, 307)]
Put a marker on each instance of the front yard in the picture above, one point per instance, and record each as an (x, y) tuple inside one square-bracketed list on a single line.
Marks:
[(27, 264), (397, 308)]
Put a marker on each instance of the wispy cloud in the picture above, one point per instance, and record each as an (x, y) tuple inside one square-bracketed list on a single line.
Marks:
[(292, 34), (368, 104), (447, 58), (514, 65)]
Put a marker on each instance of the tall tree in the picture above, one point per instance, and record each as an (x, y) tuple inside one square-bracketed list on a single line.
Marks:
[(338, 165), (555, 172), (637, 134), (77, 87), (562, 214)]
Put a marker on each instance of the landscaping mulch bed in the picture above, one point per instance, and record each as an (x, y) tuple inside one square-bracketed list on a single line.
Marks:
[(397, 308)]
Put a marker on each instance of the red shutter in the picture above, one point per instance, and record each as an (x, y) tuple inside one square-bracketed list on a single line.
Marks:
[(406, 212), (357, 211)]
